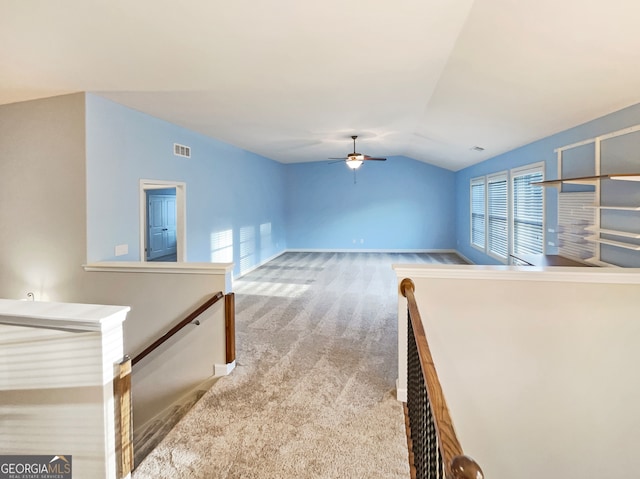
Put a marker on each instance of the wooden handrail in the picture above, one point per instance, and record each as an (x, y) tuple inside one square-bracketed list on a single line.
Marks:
[(457, 465), (201, 309)]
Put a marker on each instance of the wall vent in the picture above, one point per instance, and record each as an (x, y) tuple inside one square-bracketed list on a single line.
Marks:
[(182, 150)]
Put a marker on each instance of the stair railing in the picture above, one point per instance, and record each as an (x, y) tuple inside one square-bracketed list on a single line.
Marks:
[(122, 382), (191, 318), (434, 449)]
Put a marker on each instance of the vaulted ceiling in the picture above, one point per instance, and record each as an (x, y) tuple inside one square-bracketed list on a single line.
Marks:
[(292, 80)]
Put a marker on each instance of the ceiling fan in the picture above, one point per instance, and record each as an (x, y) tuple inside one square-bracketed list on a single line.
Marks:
[(355, 159)]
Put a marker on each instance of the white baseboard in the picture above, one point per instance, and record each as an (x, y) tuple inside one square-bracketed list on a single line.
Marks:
[(356, 250), (263, 262), (463, 257), (401, 394), (353, 250), (224, 369)]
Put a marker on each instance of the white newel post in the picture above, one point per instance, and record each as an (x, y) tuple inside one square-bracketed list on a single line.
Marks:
[(57, 366)]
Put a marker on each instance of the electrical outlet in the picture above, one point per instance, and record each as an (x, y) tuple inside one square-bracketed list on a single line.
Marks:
[(122, 249)]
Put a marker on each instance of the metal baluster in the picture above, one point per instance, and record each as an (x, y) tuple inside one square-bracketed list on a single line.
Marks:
[(427, 457)]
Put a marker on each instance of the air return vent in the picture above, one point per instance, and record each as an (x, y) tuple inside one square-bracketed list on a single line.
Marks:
[(182, 150)]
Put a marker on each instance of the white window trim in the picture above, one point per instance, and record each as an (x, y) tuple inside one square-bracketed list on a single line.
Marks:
[(522, 171), (527, 169), (493, 178), (476, 181)]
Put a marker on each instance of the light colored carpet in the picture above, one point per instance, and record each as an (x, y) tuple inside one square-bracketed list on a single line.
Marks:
[(313, 394)]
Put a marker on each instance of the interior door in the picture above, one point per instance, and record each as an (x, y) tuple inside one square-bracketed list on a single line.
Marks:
[(161, 234), (170, 225)]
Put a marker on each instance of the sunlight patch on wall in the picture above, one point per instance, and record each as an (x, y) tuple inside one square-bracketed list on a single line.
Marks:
[(26, 355), (222, 247), (266, 243), (265, 288), (41, 279), (247, 247)]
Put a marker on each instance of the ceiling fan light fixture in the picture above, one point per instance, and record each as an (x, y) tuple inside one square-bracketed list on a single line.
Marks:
[(353, 163), (354, 160)]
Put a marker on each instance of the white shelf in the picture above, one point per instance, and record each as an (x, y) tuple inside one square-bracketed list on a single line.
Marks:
[(622, 208), (626, 234), (619, 244), (590, 180), (625, 177)]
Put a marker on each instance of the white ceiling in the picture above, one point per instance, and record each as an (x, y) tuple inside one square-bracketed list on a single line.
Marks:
[(292, 80)]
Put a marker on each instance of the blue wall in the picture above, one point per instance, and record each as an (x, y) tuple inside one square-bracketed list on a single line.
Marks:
[(542, 150), (235, 199), (401, 204), (247, 208)]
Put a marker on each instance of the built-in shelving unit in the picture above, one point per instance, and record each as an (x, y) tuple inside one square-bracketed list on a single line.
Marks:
[(597, 237), (603, 206)]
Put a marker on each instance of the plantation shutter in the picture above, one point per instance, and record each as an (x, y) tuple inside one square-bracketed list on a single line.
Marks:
[(497, 209), (478, 212), (528, 213)]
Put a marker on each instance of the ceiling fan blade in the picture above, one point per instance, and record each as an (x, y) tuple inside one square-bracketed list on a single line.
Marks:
[(371, 158), (343, 158)]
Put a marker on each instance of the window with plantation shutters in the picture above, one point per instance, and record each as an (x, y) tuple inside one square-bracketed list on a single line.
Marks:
[(478, 212), (497, 216), (528, 210)]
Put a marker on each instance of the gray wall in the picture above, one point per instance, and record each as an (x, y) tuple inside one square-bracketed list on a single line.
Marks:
[(42, 198)]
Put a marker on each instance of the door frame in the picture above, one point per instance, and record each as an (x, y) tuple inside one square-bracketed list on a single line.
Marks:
[(181, 215)]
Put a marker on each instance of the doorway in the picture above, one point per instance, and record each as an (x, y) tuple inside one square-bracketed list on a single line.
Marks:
[(162, 221), (161, 225)]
